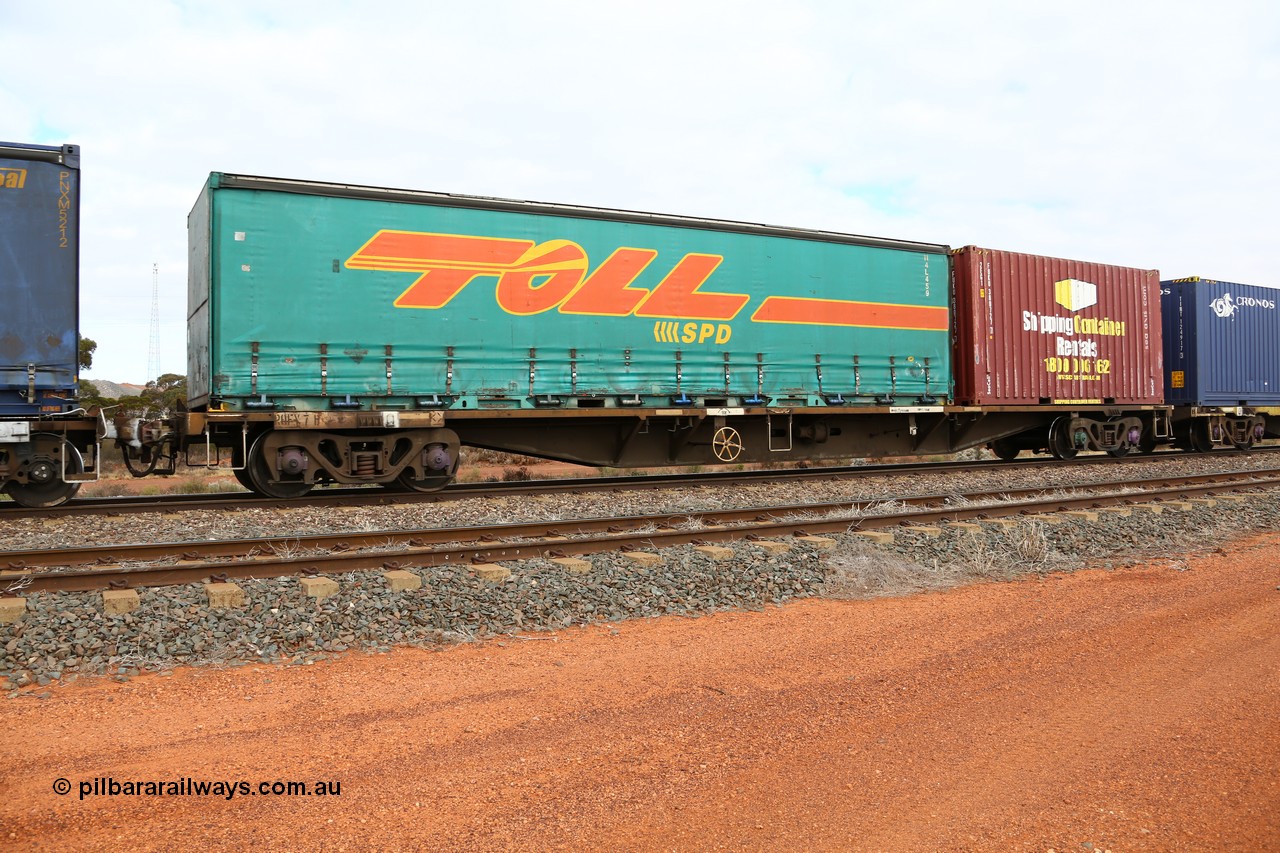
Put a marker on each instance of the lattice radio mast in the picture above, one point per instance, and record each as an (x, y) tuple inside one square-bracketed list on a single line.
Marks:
[(153, 351)]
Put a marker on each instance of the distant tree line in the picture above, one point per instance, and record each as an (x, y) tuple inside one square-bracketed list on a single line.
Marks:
[(161, 397)]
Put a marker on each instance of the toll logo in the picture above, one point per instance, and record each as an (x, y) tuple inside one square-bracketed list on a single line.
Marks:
[(1075, 295), (534, 277), (12, 179)]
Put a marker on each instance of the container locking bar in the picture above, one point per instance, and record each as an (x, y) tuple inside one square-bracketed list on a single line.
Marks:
[(759, 399), (253, 370)]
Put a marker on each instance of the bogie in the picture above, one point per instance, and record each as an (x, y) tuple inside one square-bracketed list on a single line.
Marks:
[(288, 463)]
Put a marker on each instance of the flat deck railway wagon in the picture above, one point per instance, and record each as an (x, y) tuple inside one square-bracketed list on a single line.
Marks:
[(351, 334), (47, 443), (354, 334), (358, 334)]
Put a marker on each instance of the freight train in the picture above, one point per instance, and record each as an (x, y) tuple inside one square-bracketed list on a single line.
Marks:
[(352, 334)]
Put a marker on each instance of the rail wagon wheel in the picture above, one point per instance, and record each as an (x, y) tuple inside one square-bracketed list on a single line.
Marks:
[(242, 477), (438, 469), (726, 444), (1148, 442), (1061, 444), (1200, 440), (51, 454), (406, 480), (1005, 449), (258, 472), (239, 468)]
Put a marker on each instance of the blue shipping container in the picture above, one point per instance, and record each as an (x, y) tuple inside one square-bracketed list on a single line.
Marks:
[(1221, 343), (39, 277)]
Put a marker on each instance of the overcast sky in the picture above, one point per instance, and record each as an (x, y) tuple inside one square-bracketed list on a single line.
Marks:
[(1136, 133)]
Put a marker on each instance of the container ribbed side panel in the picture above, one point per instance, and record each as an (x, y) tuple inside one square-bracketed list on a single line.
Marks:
[(1222, 343), (1035, 330)]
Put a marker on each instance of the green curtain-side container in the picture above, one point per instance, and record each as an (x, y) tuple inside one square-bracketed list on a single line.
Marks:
[(307, 295)]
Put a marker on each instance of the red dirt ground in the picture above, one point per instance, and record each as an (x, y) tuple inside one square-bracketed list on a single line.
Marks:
[(1136, 709)]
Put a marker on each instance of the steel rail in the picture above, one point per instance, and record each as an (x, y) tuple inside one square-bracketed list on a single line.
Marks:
[(194, 551), (725, 526), (265, 546), (375, 496)]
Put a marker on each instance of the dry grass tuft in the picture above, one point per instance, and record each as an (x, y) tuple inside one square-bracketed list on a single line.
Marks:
[(862, 570)]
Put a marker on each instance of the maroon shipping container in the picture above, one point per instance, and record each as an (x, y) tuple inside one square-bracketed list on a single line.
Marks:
[(1032, 330)]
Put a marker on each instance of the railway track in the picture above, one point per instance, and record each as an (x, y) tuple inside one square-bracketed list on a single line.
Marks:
[(374, 496), (187, 562)]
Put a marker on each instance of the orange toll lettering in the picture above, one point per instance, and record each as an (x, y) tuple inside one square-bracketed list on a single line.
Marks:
[(542, 278), (607, 292), (434, 289), (678, 294), (533, 278), (447, 262)]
